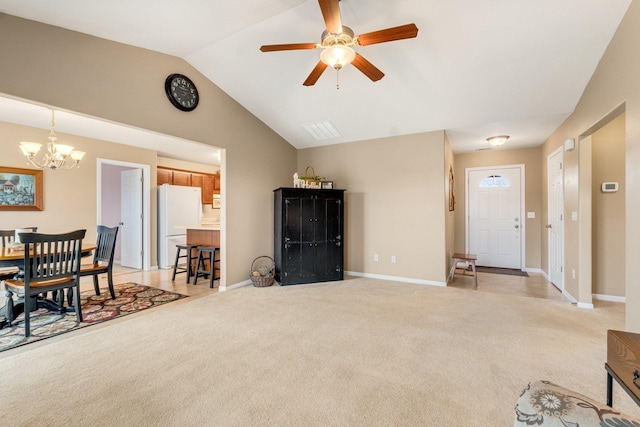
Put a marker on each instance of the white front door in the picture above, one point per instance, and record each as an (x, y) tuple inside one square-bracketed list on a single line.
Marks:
[(555, 227), (131, 218), (494, 216)]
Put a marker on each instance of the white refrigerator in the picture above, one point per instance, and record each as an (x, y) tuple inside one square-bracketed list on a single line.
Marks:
[(179, 208)]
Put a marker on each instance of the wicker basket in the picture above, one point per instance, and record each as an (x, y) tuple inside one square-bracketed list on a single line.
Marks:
[(265, 267), (311, 180)]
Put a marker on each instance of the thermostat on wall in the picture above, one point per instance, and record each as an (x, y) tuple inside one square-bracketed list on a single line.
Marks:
[(609, 187)]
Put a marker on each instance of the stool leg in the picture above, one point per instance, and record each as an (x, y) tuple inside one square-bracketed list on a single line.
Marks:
[(475, 275), (212, 263), (198, 261), (175, 265), (189, 264)]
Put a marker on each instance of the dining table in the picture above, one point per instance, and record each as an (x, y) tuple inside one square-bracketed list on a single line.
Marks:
[(13, 256)]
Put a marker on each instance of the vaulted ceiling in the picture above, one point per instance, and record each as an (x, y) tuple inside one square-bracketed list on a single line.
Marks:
[(476, 68)]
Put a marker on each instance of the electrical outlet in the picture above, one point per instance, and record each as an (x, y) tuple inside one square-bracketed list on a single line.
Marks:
[(573, 273), (375, 258), (393, 258)]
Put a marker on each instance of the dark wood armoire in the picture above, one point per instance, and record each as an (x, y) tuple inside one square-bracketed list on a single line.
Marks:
[(309, 235)]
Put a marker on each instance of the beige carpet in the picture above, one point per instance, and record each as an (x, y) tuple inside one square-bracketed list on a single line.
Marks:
[(355, 353)]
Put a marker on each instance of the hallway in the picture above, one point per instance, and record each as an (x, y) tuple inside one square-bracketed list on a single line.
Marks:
[(534, 286)]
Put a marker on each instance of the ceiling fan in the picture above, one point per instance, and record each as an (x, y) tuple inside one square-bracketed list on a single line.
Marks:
[(338, 41)]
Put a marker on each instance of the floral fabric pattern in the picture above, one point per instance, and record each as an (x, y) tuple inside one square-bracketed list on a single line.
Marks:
[(543, 403)]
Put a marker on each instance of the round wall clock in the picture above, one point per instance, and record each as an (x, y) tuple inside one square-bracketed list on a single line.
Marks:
[(181, 92)]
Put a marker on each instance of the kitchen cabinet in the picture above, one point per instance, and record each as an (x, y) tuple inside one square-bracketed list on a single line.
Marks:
[(209, 183), (208, 189), (308, 235), (165, 176), (181, 178)]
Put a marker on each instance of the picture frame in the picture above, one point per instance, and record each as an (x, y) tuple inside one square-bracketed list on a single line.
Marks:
[(21, 189), (216, 201), (326, 185)]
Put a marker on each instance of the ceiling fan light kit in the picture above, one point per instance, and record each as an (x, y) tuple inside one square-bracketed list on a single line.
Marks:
[(337, 43)]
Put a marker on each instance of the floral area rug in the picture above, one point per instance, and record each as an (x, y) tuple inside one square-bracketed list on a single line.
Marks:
[(130, 298)]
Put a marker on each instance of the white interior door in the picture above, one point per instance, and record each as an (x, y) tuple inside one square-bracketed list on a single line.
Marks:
[(494, 216), (555, 226), (131, 218)]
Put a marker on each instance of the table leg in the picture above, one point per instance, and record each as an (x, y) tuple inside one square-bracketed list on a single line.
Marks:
[(609, 390)]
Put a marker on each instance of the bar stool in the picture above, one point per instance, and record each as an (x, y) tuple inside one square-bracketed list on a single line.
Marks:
[(186, 267), (207, 254)]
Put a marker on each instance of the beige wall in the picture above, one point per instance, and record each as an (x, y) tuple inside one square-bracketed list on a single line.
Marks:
[(615, 83), (124, 84), (394, 203), (530, 158), (450, 225), (608, 219)]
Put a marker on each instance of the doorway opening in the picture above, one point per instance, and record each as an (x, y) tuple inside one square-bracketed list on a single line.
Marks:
[(602, 260), (134, 242)]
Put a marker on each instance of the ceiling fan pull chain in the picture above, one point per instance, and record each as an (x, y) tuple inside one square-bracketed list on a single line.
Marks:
[(337, 78)]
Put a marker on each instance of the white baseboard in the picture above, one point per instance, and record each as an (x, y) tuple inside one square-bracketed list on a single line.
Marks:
[(234, 286), (612, 298), (395, 278), (584, 305), (534, 270)]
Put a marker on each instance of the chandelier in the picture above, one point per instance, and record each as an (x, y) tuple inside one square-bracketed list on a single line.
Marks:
[(58, 156)]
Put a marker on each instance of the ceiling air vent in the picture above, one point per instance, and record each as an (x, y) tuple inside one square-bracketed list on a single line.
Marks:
[(322, 131)]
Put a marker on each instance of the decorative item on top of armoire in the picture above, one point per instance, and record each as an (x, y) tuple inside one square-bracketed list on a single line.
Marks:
[(308, 180), (308, 242)]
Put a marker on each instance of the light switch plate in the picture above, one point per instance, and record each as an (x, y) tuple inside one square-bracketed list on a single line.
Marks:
[(531, 214)]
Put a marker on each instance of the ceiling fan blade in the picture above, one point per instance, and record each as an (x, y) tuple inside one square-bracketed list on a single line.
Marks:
[(367, 68), (390, 34), (315, 74), (290, 46), (331, 14)]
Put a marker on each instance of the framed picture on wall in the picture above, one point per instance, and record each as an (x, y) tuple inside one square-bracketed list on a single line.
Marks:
[(20, 189)]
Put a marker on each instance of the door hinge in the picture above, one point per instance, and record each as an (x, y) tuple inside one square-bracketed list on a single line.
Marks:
[(560, 217), (560, 166), (561, 269)]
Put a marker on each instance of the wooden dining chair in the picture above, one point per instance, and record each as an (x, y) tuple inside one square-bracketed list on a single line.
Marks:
[(6, 237), (102, 258), (51, 263)]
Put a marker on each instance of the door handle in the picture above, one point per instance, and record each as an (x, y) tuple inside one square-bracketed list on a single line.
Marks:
[(516, 226), (548, 225)]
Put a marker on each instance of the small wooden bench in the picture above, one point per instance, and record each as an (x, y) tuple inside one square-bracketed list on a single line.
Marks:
[(470, 259)]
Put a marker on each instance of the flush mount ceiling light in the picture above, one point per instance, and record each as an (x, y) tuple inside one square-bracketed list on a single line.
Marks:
[(57, 155), (498, 140)]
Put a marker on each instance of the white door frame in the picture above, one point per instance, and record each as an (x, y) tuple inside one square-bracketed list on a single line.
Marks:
[(146, 203), (523, 222), (558, 151)]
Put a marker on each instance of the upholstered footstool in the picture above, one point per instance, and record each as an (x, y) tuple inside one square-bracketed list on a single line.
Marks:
[(546, 404)]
